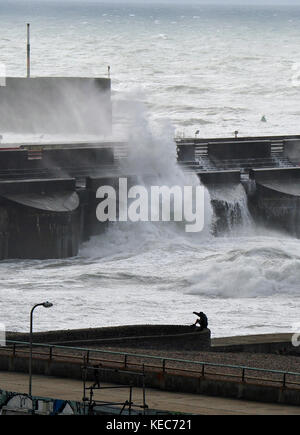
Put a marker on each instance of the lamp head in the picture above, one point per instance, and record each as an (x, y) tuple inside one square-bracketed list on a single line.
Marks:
[(47, 304)]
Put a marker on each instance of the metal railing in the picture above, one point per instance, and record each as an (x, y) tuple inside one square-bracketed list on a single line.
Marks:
[(160, 364)]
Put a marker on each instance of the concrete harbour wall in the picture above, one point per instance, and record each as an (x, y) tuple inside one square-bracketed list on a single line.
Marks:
[(136, 336)]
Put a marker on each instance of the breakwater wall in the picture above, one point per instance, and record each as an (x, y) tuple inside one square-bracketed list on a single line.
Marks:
[(267, 168), (167, 337)]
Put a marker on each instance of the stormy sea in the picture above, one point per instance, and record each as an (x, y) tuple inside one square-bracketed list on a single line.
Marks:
[(174, 70)]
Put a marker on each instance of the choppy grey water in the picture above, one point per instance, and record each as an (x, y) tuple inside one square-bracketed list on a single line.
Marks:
[(216, 69)]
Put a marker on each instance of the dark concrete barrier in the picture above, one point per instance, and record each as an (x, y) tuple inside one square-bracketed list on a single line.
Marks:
[(256, 147), (68, 158), (61, 158), (39, 218), (186, 153), (186, 341), (94, 182), (275, 203), (236, 149), (277, 174), (41, 234), (36, 186), (219, 177), (292, 149)]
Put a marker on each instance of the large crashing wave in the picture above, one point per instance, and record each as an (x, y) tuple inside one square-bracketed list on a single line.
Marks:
[(152, 158), (248, 268), (230, 204)]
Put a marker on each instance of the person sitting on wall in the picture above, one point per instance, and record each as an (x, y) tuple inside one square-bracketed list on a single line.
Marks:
[(202, 321)]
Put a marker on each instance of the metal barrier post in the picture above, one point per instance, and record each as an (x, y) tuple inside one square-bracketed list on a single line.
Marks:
[(84, 388), (243, 375), (144, 391), (130, 400)]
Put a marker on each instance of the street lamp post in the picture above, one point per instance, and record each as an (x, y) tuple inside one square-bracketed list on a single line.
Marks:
[(45, 305)]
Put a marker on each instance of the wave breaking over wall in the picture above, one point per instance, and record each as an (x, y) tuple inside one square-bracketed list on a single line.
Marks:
[(230, 204)]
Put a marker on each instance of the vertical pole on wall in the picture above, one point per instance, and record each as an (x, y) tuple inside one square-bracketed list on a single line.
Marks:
[(45, 305), (28, 50)]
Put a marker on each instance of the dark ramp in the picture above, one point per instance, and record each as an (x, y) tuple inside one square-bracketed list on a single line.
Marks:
[(39, 218), (275, 202), (55, 202), (283, 181)]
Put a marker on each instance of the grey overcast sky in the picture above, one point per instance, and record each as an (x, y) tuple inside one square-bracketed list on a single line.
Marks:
[(181, 2), (166, 2)]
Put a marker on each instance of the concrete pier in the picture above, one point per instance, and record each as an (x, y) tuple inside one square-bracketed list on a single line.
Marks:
[(266, 167), (36, 179), (46, 203)]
